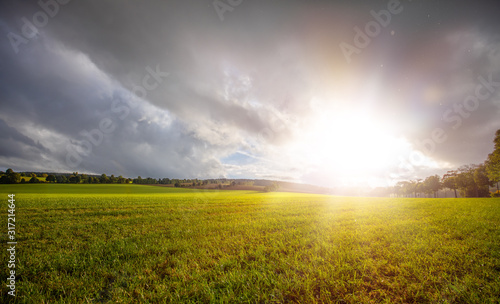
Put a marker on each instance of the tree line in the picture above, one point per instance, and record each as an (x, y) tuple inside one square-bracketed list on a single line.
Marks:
[(468, 180), (11, 177)]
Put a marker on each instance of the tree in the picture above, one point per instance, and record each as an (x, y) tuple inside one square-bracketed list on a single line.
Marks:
[(403, 188), (465, 181), (421, 188), (61, 179), (103, 179), (34, 180), (482, 181), (51, 178), (433, 184), (84, 178), (492, 165), (398, 189), (493, 161), (10, 177), (411, 188), (4, 179), (469, 184), (138, 180), (14, 178), (274, 186), (75, 179), (450, 181)]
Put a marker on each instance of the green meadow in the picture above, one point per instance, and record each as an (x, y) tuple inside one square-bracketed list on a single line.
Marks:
[(145, 244)]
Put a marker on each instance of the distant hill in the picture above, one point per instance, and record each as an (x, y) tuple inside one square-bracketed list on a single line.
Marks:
[(258, 185)]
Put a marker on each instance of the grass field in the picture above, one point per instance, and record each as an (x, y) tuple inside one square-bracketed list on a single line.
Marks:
[(143, 244)]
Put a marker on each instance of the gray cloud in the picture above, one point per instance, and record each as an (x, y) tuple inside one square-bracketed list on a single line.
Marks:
[(15, 144), (243, 84)]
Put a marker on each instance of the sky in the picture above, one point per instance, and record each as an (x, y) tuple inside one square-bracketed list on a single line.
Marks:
[(334, 93)]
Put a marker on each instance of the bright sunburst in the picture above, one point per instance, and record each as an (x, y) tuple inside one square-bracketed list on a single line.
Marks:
[(348, 144)]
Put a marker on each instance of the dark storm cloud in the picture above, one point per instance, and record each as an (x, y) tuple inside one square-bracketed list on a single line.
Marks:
[(189, 42), (230, 82), (60, 91), (16, 145)]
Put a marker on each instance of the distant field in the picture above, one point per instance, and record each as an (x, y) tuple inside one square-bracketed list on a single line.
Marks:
[(63, 189), (143, 244)]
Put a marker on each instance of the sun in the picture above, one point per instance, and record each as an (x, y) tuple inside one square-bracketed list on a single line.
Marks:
[(348, 144)]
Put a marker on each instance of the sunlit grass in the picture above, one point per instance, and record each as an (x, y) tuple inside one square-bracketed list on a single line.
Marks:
[(117, 243)]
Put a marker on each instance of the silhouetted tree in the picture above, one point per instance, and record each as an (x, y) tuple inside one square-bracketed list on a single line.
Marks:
[(10, 177)]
